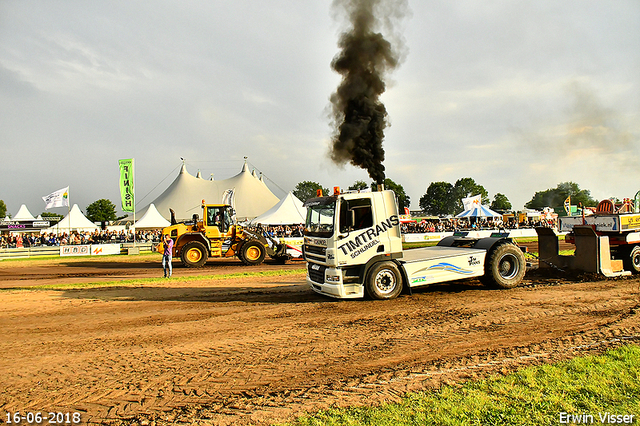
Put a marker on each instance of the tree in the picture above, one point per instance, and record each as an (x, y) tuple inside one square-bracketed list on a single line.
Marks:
[(555, 197), (358, 185), (403, 199), (3, 210), (438, 199), (101, 211), (500, 203), (306, 189), (52, 217), (466, 187)]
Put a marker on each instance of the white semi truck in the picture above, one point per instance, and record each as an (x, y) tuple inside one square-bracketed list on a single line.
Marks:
[(353, 247)]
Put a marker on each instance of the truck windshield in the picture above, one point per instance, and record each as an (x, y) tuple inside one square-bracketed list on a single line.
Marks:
[(320, 219)]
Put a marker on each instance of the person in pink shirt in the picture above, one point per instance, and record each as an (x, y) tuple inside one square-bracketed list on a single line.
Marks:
[(166, 256)]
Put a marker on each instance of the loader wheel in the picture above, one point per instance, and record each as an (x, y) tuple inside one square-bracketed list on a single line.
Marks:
[(194, 254), (632, 262), (505, 266), (252, 253), (384, 281)]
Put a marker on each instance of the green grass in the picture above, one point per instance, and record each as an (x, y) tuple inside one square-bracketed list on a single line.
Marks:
[(532, 396), (138, 282)]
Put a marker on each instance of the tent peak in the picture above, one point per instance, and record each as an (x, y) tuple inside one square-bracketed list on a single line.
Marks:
[(24, 213)]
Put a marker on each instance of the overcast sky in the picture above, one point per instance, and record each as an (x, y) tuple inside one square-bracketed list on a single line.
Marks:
[(519, 96)]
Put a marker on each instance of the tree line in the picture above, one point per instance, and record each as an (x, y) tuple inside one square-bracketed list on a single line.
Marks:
[(440, 199), (444, 198)]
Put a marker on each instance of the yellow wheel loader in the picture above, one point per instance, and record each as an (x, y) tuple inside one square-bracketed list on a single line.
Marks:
[(217, 235)]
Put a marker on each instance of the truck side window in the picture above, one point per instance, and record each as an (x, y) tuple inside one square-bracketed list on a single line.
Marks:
[(356, 214)]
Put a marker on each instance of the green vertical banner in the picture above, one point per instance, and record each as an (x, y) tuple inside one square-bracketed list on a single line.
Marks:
[(126, 185)]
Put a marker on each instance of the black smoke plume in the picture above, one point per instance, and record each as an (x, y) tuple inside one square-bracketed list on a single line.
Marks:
[(364, 60)]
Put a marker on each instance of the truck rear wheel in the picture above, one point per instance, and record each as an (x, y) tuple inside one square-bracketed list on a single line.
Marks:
[(194, 254), (384, 281), (632, 262), (252, 253), (505, 266)]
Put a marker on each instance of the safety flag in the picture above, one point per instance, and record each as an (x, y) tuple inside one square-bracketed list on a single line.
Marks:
[(567, 205), (59, 198), (126, 185)]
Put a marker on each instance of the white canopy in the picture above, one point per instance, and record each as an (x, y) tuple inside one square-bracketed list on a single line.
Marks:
[(479, 211), (251, 196), (288, 211), (24, 214), (74, 221), (152, 219)]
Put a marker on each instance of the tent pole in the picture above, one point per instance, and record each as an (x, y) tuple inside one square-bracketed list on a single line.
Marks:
[(133, 170), (69, 216)]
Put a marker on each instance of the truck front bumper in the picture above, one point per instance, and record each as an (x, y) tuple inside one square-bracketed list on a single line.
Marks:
[(337, 289)]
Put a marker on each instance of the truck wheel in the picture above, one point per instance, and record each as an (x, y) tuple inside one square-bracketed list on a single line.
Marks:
[(505, 266), (632, 262), (194, 254), (384, 281), (252, 253)]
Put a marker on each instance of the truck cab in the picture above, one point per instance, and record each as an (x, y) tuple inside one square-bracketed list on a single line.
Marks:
[(345, 234)]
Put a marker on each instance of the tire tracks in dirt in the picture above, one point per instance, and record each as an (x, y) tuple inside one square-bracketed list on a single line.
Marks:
[(257, 350)]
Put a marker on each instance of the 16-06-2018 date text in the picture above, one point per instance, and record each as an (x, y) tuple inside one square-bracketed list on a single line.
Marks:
[(39, 417)]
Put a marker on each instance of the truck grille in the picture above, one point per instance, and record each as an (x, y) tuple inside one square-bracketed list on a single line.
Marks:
[(315, 253), (316, 272), (322, 251)]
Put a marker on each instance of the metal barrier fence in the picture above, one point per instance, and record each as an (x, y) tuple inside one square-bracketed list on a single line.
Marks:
[(17, 253), (41, 251)]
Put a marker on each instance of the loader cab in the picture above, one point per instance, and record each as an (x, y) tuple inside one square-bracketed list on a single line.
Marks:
[(217, 220)]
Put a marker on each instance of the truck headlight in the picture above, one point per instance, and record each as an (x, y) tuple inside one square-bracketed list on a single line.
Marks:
[(333, 278)]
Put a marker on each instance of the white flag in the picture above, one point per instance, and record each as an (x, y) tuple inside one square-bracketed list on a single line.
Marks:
[(60, 198), (471, 202), (228, 197)]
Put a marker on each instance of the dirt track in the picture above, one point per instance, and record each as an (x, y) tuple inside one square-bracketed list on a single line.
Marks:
[(253, 350)]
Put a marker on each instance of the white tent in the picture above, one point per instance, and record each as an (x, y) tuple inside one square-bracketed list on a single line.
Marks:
[(24, 214), (185, 194), (288, 211), (74, 221), (152, 219)]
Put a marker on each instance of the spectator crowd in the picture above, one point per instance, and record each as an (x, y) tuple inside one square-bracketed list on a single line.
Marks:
[(464, 224), (26, 240)]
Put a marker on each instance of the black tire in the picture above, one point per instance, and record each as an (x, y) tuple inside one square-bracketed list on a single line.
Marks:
[(194, 254), (384, 281), (252, 253), (632, 261), (505, 266), (239, 251)]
